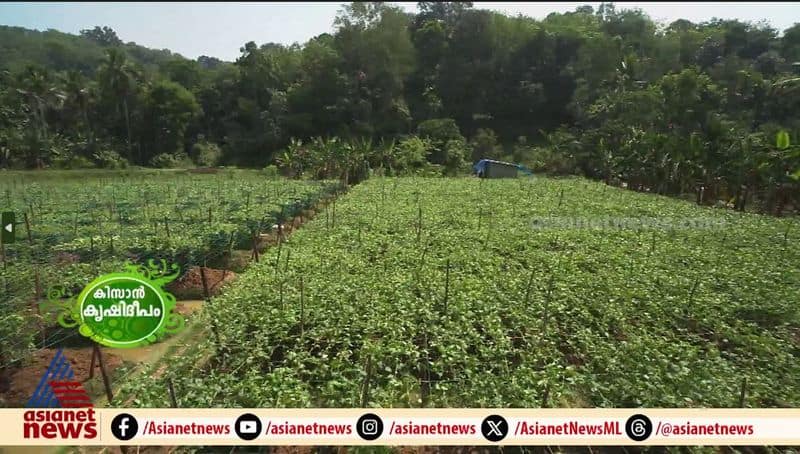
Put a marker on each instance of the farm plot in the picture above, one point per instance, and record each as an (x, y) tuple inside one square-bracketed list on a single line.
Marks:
[(70, 231), (442, 293)]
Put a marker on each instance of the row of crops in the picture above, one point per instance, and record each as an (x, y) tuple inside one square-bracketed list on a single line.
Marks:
[(441, 293), (71, 230)]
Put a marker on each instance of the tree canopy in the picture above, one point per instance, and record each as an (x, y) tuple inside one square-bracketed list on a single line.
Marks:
[(608, 93)]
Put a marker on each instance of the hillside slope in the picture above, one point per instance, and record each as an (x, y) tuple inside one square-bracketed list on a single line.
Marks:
[(60, 51)]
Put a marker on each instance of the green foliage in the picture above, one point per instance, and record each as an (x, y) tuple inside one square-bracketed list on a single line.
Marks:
[(88, 223), (485, 145), (448, 146), (411, 153), (455, 157), (270, 171), (169, 108), (107, 159), (782, 141), (587, 316), (661, 109), (105, 36), (206, 154), (170, 161)]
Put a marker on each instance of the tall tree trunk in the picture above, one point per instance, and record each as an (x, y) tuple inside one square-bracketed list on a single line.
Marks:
[(88, 127), (128, 127)]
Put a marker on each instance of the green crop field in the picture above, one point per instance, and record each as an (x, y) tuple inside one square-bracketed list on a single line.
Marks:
[(73, 226), (417, 292)]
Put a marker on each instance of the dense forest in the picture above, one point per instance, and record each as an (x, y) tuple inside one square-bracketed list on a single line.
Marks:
[(606, 93)]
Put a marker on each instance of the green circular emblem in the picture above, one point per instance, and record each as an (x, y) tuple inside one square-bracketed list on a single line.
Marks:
[(122, 311)]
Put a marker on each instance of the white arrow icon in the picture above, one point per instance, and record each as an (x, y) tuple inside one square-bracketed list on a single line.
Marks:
[(9, 228)]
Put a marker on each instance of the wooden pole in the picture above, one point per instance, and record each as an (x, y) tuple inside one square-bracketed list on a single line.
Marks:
[(446, 285), (37, 285), (92, 363), (171, 389), (743, 392), (419, 222), (546, 314), (106, 382), (206, 292), (255, 246), (365, 387), (280, 291), (528, 288), (333, 218), (546, 395), (302, 309), (28, 228)]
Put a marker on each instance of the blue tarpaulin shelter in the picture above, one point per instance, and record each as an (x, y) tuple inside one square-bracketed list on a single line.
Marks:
[(489, 168)]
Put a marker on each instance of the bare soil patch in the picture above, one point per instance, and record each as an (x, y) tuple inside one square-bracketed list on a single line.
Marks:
[(190, 285), (25, 379)]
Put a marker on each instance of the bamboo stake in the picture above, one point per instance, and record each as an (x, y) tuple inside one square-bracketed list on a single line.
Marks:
[(742, 392), (92, 363), (171, 389), (446, 285), (206, 292), (106, 382), (28, 228), (302, 309), (365, 386)]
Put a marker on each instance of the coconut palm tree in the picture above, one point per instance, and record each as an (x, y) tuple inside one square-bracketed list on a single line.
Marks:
[(118, 79), (40, 95), (79, 96)]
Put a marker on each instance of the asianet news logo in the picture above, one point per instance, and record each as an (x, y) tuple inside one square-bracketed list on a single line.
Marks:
[(72, 416)]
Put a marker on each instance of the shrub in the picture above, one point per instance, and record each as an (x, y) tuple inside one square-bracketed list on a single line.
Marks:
[(430, 170), (547, 160), (485, 145), (206, 154), (73, 162), (170, 161), (270, 171), (455, 156), (439, 130), (446, 141), (411, 153), (108, 159)]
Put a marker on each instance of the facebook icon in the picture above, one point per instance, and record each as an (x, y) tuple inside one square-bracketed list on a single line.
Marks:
[(124, 426)]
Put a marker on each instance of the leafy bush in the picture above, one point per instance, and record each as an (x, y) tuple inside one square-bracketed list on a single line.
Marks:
[(206, 154), (409, 154), (456, 152), (439, 130), (430, 170), (548, 160), (270, 171), (108, 159), (170, 161), (449, 147), (485, 145), (73, 162)]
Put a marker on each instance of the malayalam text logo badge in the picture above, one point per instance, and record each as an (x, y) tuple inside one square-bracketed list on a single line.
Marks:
[(123, 310)]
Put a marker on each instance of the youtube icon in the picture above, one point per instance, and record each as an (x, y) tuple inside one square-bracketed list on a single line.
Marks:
[(248, 426)]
